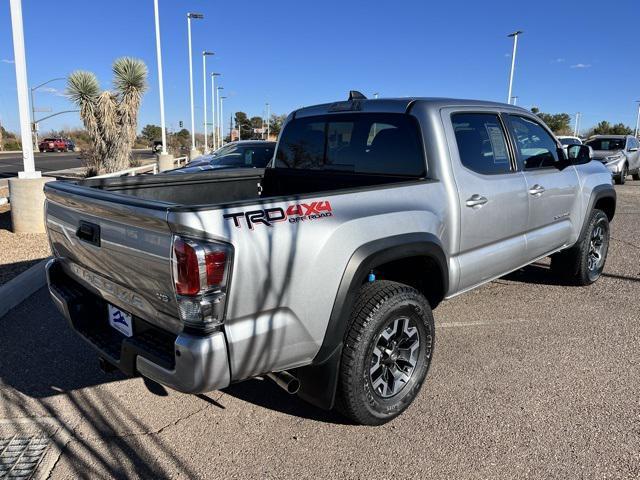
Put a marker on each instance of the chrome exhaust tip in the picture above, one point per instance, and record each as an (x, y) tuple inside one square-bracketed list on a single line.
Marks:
[(286, 381)]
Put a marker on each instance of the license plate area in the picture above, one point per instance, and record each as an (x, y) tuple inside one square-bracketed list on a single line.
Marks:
[(120, 320)]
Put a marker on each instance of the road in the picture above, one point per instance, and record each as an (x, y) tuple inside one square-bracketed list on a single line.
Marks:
[(531, 379), (11, 163)]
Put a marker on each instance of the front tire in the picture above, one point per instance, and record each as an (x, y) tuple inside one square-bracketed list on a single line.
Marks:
[(387, 352), (622, 177), (584, 262)]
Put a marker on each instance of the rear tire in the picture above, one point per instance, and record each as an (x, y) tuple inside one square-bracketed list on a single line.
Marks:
[(583, 263), (636, 176), (387, 352)]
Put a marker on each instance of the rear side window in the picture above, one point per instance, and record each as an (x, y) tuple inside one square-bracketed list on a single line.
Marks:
[(481, 142), (372, 143)]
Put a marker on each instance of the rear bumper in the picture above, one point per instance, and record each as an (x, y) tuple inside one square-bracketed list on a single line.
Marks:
[(187, 363)]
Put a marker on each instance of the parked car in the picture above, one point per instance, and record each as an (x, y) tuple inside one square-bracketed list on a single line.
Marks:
[(620, 153), (53, 145), (569, 140), (241, 154), (71, 146), (321, 271)]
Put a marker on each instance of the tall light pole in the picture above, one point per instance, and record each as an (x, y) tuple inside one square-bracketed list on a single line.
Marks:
[(268, 121), (205, 54), (576, 131), (513, 61), (29, 165), (165, 161), (213, 110), (33, 111), (194, 153), (222, 119), (375, 95), (638, 118)]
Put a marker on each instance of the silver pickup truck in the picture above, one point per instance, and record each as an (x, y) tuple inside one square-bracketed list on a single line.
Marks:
[(321, 271)]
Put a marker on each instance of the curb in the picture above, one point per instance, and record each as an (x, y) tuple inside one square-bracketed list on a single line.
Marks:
[(18, 289)]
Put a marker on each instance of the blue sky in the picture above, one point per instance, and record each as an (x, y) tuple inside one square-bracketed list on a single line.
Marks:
[(295, 53)]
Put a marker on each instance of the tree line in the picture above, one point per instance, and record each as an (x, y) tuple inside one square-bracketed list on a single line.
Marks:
[(560, 124), (250, 129)]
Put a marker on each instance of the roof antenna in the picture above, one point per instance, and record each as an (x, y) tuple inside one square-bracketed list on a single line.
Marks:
[(356, 95)]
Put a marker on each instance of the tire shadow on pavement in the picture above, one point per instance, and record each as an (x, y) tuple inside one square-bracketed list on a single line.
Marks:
[(537, 274), (265, 394)]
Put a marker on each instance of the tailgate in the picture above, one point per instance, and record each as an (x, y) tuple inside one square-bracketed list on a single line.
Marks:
[(117, 246)]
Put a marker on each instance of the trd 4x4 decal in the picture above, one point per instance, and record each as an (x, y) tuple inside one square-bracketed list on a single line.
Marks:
[(293, 213)]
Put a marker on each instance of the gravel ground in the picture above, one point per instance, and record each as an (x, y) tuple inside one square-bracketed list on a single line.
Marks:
[(530, 379), (18, 251)]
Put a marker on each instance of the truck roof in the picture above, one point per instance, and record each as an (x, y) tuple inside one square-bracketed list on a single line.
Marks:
[(396, 105)]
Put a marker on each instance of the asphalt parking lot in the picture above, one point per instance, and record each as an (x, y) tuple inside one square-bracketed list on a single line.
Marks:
[(531, 379)]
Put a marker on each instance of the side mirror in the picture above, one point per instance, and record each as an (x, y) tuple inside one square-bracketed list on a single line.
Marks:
[(579, 154)]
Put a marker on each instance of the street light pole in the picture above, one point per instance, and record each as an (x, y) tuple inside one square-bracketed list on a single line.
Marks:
[(34, 123), (577, 128), (213, 111), (637, 119), (222, 118), (160, 82), (204, 88), (268, 122), (220, 126), (19, 58), (513, 61), (197, 16)]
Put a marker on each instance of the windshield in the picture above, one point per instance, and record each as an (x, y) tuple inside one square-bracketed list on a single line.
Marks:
[(570, 141), (610, 144), (224, 150), (243, 156)]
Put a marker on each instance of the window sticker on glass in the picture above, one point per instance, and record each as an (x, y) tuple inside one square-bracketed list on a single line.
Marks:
[(497, 143)]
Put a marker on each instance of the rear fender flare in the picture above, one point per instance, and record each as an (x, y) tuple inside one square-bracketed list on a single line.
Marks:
[(318, 381)]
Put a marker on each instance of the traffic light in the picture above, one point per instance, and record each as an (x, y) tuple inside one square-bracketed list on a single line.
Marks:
[(180, 123)]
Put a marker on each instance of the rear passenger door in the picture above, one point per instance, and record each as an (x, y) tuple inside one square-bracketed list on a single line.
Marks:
[(552, 193), (492, 197)]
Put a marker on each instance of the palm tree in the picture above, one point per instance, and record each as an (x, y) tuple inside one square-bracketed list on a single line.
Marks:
[(110, 117)]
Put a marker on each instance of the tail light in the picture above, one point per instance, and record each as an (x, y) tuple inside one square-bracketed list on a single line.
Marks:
[(200, 274)]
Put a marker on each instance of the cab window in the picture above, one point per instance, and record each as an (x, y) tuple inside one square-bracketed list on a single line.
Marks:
[(535, 147), (482, 144)]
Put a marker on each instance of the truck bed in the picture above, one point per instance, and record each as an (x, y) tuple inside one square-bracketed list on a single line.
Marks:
[(230, 186)]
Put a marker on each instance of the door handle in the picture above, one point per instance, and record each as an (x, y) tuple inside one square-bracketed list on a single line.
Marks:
[(476, 201), (536, 190)]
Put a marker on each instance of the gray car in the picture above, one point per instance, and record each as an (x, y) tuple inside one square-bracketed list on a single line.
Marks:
[(321, 271), (620, 154)]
